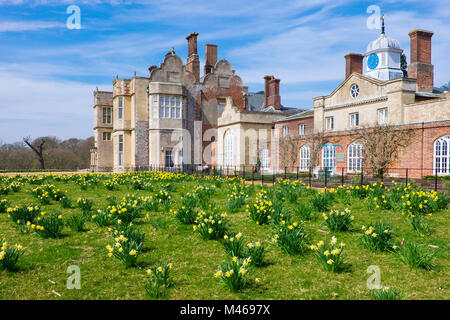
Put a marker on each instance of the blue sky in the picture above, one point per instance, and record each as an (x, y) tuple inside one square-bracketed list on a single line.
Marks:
[(48, 72)]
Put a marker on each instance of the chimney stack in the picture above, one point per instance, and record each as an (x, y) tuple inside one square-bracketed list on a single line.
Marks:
[(272, 96), (353, 63), (420, 66), (193, 62), (211, 57)]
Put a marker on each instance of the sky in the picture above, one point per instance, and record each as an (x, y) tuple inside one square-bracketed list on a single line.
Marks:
[(48, 71)]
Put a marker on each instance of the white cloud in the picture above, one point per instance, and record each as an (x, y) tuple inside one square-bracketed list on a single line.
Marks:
[(16, 26)]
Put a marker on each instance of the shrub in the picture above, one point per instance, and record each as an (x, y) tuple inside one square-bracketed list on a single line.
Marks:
[(304, 211), (24, 214), (125, 250), (159, 280), (211, 227), (49, 226), (417, 256), (85, 204), (233, 274), (338, 220), (3, 205), (76, 222), (9, 255), (234, 245), (261, 209), (386, 293), (291, 238), (322, 201), (256, 252), (378, 237), (330, 256)]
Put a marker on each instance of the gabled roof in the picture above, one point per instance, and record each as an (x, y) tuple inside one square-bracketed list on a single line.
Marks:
[(298, 115)]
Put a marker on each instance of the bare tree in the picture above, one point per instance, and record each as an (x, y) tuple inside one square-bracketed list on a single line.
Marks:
[(288, 151), (382, 143), (315, 140), (38, 148)]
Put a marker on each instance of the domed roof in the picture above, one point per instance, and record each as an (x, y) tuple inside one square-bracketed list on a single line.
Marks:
[(383, 42)]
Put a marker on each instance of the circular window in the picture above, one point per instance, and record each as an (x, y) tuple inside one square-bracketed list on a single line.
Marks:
[(354, 91)]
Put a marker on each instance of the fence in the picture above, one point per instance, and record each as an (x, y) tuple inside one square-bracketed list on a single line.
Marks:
[(319, 178)]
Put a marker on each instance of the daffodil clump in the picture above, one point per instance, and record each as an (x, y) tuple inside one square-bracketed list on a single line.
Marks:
[(4, 190), (360, 192), (48, 192), (419, 202), (111, 184), (323, 200), (203, 194), (9, 255), (161, 199), (378, 237), (49, 225), (291, 238), (234, 274), (336, 220), (126, 211), (24, 214), (329, 255), (3, 205), (85, 204), (103, 218), (417, 256), (386, 293), (236, 200), (234, 245), (417, 222), (125, 249), (158, 280), (130, 232), (261, 209), (211, 226), (185, 215), (291, 190), (76, 222), (255, 250)]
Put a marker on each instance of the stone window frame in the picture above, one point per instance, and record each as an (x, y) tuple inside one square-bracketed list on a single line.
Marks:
[(107, 115), (170, 106), (121, 160), (120, 108), (106, 136)]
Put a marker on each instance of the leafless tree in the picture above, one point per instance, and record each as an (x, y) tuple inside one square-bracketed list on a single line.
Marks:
[(315, 140), (382, 143), (288, 147), (38, 147)]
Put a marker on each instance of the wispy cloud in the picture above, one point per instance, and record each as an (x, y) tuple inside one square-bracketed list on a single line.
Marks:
[(16, 26)]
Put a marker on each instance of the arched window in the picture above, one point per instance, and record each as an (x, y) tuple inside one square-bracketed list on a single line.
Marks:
[(305, 158), (442, 155), (328, 157), (355, 155), (228, 149), (264, 155)]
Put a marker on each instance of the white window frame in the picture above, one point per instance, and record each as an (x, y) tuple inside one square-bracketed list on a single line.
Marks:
[(329, 156), (168, 158), (382, 115), (285, 131), (228, 149), (354, 119), (304, 158), (301, 129), (441, 155), (170, 107), (355, 157), (329, 121)]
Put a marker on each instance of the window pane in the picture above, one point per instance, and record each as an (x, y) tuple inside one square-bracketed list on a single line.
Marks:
[(178, 112)]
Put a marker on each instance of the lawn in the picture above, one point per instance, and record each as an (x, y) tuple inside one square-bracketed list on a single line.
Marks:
[(42, 269)]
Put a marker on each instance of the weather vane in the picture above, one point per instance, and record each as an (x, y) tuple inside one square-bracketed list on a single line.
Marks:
[(382, 23)]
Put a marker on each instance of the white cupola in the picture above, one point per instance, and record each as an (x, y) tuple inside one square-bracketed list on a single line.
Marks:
[(383, 57)]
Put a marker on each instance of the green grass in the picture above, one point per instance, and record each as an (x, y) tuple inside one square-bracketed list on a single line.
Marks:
[(195, 261)]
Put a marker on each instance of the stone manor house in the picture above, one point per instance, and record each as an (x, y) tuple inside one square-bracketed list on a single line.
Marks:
[(177, 117)]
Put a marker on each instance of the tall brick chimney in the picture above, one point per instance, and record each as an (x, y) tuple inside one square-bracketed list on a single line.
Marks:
[(193, 62), (420, 67), (353, 63), (272, 92), (210, 57)]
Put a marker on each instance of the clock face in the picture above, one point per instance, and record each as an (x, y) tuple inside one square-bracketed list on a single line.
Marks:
[(373, 61)]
